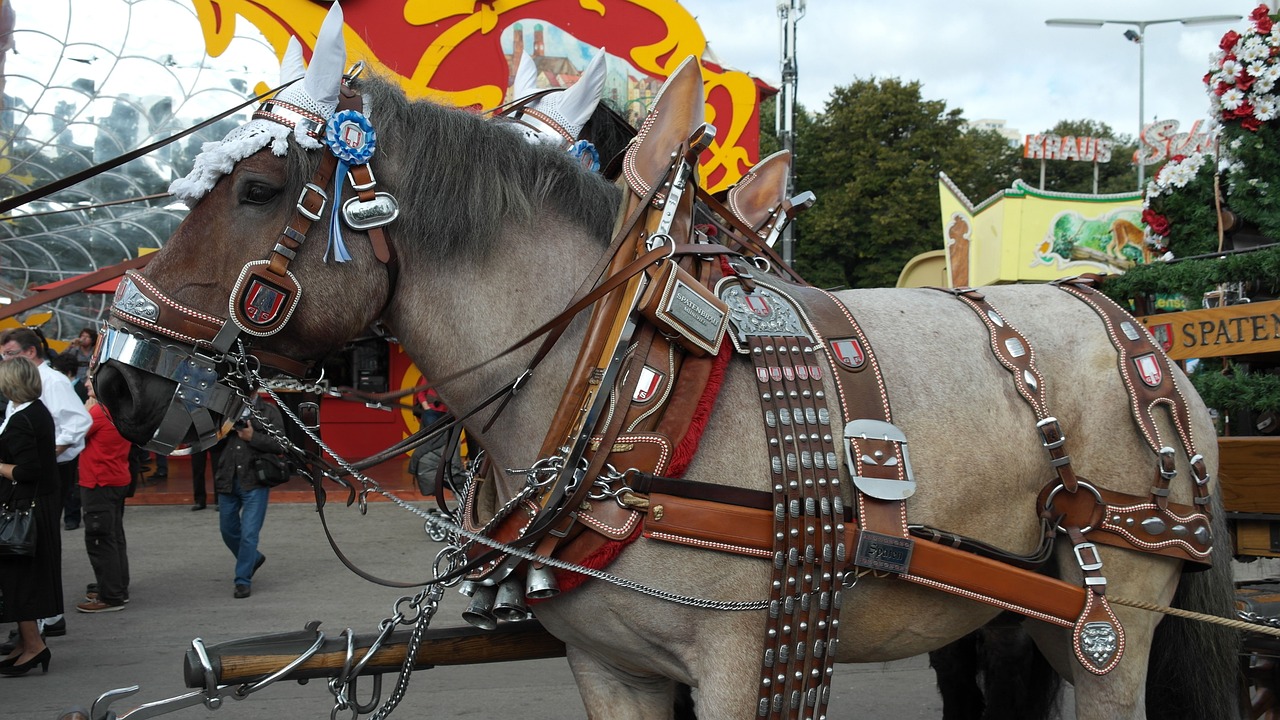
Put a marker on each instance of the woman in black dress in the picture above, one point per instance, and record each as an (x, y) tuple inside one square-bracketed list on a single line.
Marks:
[(30, 587)]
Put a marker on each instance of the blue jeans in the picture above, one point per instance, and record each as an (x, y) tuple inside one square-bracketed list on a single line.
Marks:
[(240, 516)]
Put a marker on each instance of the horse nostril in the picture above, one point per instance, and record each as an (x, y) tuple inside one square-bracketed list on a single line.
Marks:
[(112, 390)]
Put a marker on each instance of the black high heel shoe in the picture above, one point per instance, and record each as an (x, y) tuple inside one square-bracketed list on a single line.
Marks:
[(42, 659), (8, 662)]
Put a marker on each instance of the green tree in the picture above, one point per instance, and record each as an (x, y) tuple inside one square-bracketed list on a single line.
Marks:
[(1117, 175), (872, 158)]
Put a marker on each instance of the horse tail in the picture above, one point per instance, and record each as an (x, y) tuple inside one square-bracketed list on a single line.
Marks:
[(1193, 671)]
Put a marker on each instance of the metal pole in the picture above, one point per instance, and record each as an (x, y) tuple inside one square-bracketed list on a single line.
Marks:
[(1142, 75), (789, 12)]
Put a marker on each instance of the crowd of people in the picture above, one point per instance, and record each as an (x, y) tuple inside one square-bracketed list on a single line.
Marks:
[(63, 460)]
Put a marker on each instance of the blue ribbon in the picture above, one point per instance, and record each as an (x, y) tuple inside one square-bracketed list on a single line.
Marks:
[(586, 154), (352, 139)]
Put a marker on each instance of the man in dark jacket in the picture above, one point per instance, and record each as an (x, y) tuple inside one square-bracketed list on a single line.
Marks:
[(242, 492)]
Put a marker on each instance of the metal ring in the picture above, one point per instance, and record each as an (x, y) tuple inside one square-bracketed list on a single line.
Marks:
[(1048, 502)]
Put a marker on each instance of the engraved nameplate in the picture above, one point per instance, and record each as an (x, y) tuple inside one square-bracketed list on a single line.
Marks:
[(696, 313), (366, 214), (883, 552)]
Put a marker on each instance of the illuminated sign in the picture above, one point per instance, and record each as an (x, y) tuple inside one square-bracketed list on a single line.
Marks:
[(1046, 146), (1161, 140)]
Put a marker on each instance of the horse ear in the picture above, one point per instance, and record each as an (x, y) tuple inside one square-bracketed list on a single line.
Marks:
[(328, 61), (526, 82), (580, 99), (293, 66)]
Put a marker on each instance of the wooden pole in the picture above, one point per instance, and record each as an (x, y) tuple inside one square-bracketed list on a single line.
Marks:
[(253, 658)]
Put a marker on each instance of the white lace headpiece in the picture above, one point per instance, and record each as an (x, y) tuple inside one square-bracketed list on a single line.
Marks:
[(302, 108), (558, 117)]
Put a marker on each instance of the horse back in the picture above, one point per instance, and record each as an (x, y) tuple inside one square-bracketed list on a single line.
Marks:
[(977, 456)]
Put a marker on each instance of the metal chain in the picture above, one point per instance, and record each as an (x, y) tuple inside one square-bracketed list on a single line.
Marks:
[(1256, 619), (458, 531), (433, 595)]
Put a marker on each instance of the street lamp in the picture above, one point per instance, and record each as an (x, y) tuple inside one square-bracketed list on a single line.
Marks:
[(1139, 38)]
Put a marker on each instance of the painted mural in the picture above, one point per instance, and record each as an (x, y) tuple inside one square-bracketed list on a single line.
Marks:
[(1028, 235), (460, 52)]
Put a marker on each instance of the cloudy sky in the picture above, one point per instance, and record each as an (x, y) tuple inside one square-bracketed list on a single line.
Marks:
[(991, 58)]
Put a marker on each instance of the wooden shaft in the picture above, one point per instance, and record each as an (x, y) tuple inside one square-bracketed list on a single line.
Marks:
[(250, 659)]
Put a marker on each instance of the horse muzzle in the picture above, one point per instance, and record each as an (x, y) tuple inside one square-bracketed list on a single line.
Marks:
[(161, 394)]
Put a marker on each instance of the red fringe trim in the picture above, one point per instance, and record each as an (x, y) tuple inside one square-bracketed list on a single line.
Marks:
[(688, 447), (680, 459), (598, 560)]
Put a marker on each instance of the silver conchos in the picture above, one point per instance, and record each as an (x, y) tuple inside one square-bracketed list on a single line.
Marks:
[(1129, 330), (367, 214), (761, 312), (1098, 643), (129, 299)]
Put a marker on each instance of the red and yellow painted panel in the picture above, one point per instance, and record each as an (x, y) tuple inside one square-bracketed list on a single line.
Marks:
[(451, 51)]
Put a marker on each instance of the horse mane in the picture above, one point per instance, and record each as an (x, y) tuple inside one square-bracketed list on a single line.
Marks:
[(460, 178)]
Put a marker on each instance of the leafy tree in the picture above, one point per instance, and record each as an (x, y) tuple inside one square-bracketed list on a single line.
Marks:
[(872, 158), (1117, 175)]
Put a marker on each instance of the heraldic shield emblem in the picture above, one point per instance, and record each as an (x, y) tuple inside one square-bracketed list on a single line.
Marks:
[(848, 352), (1149, 369), (263, 301)]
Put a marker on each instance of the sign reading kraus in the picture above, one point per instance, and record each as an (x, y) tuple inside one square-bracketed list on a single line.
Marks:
[(1233, 330)]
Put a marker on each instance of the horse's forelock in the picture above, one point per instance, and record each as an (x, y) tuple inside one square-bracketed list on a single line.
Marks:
[(460, 178)]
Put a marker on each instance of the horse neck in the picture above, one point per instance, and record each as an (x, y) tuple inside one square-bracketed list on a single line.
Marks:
[(451, 316)]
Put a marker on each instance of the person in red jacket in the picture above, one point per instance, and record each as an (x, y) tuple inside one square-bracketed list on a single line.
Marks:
[(104, 485)]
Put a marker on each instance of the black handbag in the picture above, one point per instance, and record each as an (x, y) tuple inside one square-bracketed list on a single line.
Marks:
[(17, 531)]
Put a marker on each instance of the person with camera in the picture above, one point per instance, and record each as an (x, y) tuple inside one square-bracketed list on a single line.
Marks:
[(248, 466)]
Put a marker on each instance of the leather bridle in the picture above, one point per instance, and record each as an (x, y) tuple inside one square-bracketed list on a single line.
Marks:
[(153, 333)]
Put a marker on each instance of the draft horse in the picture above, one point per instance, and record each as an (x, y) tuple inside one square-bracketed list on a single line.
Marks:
[(469, 238)]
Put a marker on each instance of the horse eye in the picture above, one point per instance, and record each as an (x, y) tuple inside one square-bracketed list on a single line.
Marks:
[(260, 193)]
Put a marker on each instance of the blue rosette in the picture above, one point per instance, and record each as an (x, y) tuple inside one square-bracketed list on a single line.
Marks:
[(352, 139), (586, 155)]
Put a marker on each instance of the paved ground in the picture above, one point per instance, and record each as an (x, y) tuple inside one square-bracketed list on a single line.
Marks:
[(181, 589)]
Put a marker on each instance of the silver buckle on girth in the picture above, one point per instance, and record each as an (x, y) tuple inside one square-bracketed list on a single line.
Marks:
[(876, 443)]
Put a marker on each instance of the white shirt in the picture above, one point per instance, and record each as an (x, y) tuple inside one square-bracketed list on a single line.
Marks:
[(70, 420)]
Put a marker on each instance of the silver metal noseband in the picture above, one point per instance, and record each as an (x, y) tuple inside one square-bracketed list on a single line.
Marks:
[(199, 398)]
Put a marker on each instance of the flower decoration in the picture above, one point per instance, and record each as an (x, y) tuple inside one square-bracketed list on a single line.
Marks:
[(1178, 207), (1243, 73), (1245, 101)]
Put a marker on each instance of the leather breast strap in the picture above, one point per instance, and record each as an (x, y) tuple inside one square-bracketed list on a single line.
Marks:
[(1148, 376), (876, 459), (1098, 637)]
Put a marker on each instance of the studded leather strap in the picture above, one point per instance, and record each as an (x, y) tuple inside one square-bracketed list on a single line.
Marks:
[(804, 612)]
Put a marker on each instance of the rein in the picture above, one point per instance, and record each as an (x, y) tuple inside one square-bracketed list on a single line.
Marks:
[(79, 177)]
